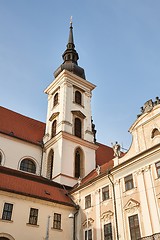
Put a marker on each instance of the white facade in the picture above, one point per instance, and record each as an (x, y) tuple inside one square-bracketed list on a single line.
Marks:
[(14, 150), (137, 198), (19, 227), (65, 143)]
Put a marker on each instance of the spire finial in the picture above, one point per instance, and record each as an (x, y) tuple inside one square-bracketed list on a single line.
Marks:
[(71, 21)]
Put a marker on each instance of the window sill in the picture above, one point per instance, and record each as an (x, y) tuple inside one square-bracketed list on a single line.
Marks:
[(57, 229), (105, 200), (32, 225), (130, 190), (78, 104), (6, 221)]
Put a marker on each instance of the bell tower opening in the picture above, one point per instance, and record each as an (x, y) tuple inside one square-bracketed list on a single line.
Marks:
[(50, 164), (79, 163)]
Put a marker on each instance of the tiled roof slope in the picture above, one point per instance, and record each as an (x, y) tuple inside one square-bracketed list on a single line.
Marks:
[(17, 125), (93, 175), (33, 186), (103, 154)]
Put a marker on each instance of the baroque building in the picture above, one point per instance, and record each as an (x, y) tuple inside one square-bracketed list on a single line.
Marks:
[(58, 182)]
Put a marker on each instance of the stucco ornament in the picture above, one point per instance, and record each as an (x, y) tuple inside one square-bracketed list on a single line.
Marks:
[(131, 206), (90, 221), (106, 216)]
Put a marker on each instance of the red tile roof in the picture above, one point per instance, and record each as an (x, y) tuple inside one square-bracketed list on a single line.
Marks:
[(94, 175), (17, 125), (33, 186), (103, 154)]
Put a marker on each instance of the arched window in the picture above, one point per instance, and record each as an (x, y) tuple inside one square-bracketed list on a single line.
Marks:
[(78, 97), (28, 165), (50, 165), (79, 163), (55, 101), (155, 132), (78, 127), (54, 126)]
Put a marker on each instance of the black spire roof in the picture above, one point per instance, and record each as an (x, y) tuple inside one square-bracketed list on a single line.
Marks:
[(70, 57)]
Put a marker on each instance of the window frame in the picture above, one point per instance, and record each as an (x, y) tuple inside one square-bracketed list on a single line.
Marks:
[(7, 211), (33, 216), (90, 234), (50, 163), (108, 231), (88, 201), (57, 221), (78, 97), (157, 169), (78, 127), (55, 99), (28, 165), (128, 182), (105, 193), (134, 234), (54, 128)]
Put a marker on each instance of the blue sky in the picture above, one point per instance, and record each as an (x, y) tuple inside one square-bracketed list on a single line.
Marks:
[(118, 42)]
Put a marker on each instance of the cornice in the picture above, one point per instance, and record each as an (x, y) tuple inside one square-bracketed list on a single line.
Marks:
[(71, 78)]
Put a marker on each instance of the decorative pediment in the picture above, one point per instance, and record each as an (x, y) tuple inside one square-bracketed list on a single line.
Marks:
[(90, 221), (79, 114), (131, 205), (54, 115), (106, 216)]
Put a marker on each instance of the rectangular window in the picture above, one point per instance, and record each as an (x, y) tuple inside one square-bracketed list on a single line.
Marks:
[(7, 211), (89, 232), (88, 201), (158, 169), (57, 221), (128, 182), (108, 231), (105, 193), (134, 227), (33, 217)]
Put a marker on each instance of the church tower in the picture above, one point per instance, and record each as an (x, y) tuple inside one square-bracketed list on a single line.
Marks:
[(69, 141)]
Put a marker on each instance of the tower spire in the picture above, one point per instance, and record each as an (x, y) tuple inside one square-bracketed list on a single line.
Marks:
[(70, 57), (70, 39), (70, 53)]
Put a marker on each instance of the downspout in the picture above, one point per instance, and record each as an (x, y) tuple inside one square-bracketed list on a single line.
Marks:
[(47, 228), (115, 207), (74, 225), (75, 214)]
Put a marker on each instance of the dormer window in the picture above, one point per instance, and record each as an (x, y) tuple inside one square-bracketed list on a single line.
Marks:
[(55, 101), (78, 97)]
